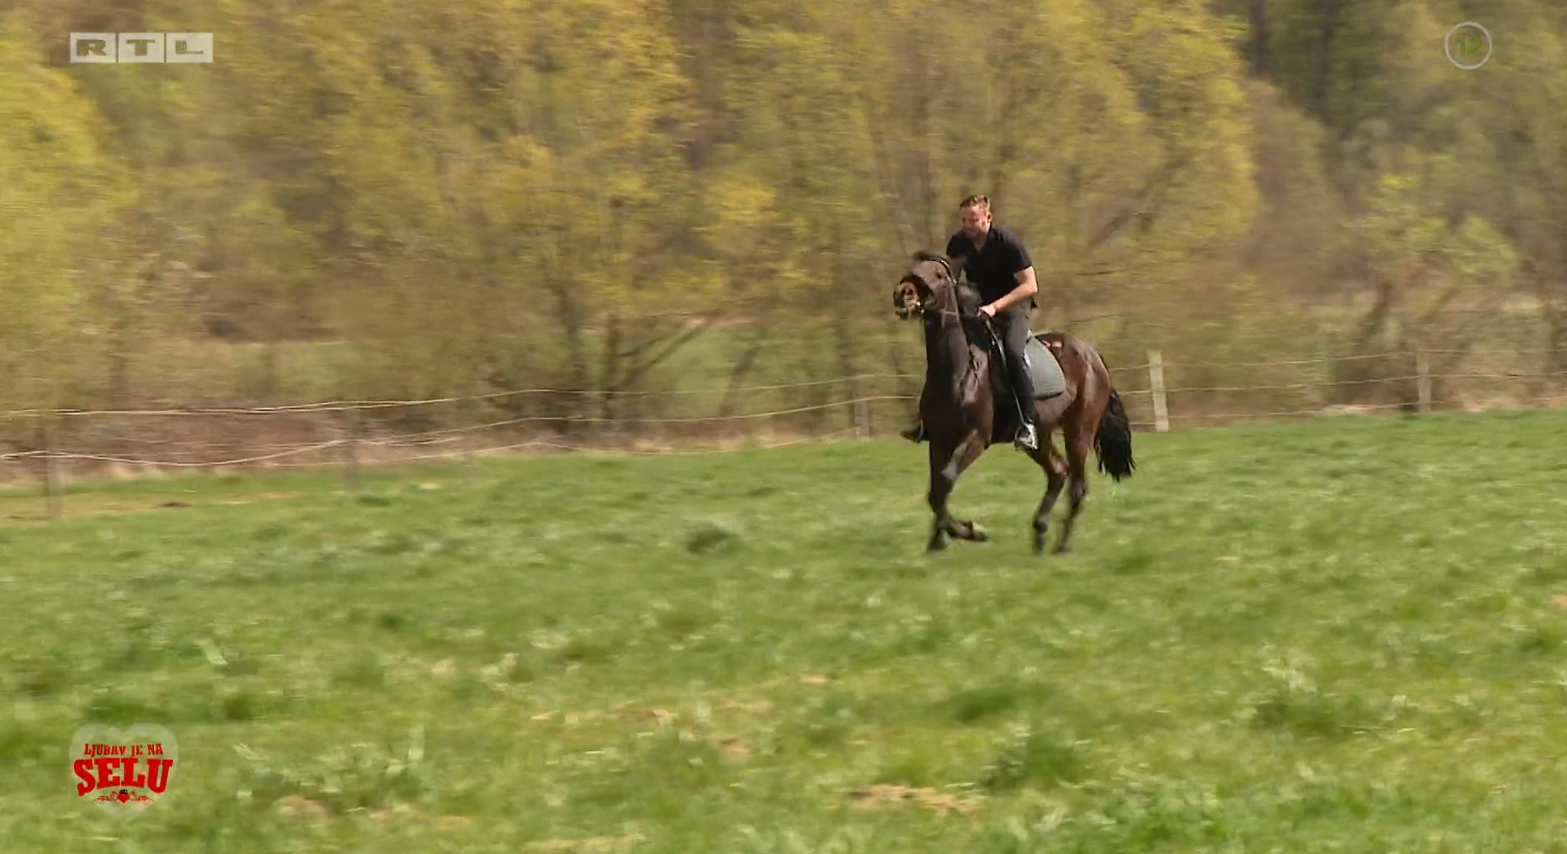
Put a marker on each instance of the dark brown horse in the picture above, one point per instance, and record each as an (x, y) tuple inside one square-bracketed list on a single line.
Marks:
[(962, 420)]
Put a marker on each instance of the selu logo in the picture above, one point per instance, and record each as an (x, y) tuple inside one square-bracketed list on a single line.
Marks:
[(139, 766), (123, 772)]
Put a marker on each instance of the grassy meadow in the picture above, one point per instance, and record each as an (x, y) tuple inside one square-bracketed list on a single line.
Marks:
[(1341, 635)]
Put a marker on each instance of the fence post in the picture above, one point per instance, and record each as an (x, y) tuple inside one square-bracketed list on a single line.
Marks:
[(470, 438), (53, 487), (862, 420), (351, 452), (1423, 378), (1161, 406)]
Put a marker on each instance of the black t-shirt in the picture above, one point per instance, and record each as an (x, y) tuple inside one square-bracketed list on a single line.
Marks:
[(994, 270)]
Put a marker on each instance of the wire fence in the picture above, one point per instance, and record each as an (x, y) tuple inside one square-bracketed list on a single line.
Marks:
[(1159, 395)]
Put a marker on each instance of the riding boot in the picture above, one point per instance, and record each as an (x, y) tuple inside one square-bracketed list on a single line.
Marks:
[(1023, 392), (915, 434)]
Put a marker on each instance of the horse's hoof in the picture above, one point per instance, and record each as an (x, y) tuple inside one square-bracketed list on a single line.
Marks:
[(978, 534), (1041, 538), (938, 545), (1061, 549)]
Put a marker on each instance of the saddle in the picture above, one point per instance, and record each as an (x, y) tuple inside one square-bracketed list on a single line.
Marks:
[(1044, 370)]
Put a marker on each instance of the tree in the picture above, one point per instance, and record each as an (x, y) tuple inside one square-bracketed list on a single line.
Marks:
[(59, 191)]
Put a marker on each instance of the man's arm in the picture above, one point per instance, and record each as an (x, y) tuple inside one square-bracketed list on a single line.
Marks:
[(1027, 284)]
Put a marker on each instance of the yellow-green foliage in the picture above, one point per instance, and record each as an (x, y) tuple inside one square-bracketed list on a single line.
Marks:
[(510, 193)]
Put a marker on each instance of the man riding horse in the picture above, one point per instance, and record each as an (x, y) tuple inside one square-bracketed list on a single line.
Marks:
[(1001, 269)]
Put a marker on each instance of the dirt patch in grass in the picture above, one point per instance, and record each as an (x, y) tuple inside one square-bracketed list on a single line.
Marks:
[(889, 796)]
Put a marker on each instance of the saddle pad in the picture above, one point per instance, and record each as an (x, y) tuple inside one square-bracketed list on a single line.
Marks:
[(1043, 370)]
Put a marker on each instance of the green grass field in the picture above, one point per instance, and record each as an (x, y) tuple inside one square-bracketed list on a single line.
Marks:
[(1335, 636)]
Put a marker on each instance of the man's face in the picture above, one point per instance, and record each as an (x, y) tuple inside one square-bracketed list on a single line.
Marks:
[(976, 222)]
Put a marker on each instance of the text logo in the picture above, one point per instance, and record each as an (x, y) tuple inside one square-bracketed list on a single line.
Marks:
[(141, 47), (123, 771)]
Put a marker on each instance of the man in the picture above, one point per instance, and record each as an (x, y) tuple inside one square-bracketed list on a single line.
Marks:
[(1001, 269)]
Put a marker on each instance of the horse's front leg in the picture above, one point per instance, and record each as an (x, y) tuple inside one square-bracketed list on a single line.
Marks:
[(940, 490), (946, 466)]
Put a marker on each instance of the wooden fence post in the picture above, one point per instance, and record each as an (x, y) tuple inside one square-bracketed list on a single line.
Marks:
[(470, 437), (1423, 378), (53, 486), (351, 452), (862, 418), (1161, 406)]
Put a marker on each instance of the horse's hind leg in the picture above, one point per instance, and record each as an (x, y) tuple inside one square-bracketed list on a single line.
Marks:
[(1050, 460), (1078, 442)]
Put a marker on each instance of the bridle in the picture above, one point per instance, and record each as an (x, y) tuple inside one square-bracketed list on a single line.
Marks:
[(921, 283), (925, 310), (986, 326)]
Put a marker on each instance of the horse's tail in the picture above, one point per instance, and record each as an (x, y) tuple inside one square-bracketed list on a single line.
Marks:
[(1113, 440)]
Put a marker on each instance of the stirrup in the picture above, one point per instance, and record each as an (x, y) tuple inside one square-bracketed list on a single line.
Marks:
[(1027, 437), (915, 434)]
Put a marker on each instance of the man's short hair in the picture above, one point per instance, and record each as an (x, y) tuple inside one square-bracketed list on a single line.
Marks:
[(975, 202)]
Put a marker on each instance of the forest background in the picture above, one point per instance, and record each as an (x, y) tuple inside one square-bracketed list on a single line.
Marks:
[(599, 217)]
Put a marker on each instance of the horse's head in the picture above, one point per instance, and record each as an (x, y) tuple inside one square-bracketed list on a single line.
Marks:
[(928, 286)]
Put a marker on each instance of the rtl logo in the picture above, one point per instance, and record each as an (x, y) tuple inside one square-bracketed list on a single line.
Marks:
[(141, 47)]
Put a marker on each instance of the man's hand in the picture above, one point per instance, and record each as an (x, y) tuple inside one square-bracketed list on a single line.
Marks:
[(987, 310)]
